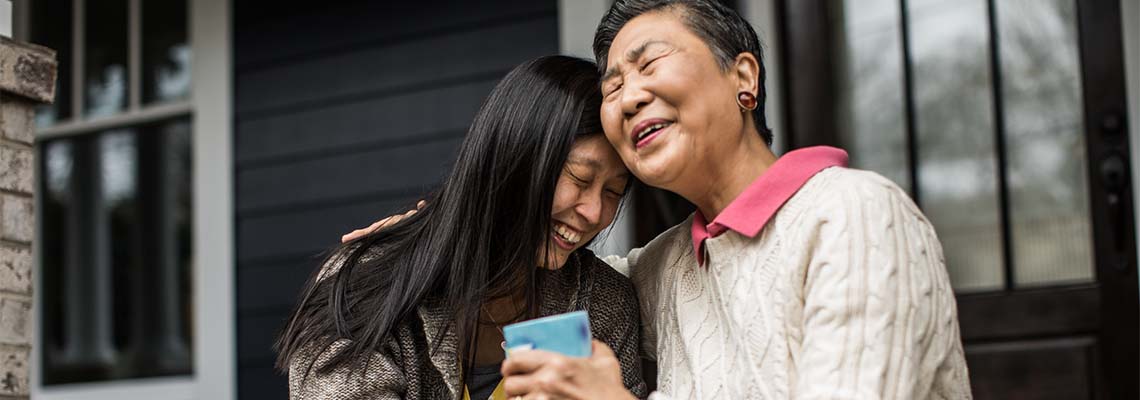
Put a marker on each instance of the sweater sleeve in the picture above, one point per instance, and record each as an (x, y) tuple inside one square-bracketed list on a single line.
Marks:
[(382, 379), (644, 283), (879, 315), (619, 263), (617, 322)]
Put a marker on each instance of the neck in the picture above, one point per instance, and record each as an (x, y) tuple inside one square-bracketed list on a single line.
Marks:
[(723, 178), (504, 309)]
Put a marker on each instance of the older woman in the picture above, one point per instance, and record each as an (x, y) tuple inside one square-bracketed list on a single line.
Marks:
[(795, 278)]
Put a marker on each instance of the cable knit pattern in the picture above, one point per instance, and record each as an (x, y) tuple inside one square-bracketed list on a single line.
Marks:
[(843, 295)]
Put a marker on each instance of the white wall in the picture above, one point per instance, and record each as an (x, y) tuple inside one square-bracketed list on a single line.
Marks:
[(576, 22)]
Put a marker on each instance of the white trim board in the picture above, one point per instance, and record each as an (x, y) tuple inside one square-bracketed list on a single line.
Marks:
[(215, 355), (176, 388)]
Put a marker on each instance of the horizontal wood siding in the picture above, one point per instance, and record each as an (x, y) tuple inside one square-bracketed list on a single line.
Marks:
[(346, 112)]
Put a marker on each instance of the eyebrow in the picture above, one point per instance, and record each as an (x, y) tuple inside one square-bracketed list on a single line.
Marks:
[(631, 56), (591, 162)]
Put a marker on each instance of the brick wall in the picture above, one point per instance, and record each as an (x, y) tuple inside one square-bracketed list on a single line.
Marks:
[(27, 76)]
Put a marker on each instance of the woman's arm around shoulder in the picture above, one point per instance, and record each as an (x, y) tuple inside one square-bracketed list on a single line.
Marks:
[(615, 319)]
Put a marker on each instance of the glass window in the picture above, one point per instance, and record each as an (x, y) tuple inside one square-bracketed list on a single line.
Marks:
[(105, 58), (871, 111), (954, 123), (116, 206), (165, 51), (959, 173), (116, 254), (53, 29), (1047, 163)]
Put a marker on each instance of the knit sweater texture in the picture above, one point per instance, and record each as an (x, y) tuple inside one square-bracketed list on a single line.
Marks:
[(843, 295), (422, 361)]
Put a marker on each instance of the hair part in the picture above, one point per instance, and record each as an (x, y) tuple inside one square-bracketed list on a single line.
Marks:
[(480, 236), (722, 29)]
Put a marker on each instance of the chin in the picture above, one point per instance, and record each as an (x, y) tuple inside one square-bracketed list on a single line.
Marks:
[(555, 261), (654, 172), (660, 167)]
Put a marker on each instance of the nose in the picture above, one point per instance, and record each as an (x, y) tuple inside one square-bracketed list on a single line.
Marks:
[(634, 97), (590, 207)]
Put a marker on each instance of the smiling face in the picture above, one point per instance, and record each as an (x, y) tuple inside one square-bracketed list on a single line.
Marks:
[(586, 197), (668, 107)]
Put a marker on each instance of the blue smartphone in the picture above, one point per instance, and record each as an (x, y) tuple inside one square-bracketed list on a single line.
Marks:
[(568, 334)]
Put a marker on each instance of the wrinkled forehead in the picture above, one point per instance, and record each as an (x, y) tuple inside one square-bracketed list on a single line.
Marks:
[(659, 25)]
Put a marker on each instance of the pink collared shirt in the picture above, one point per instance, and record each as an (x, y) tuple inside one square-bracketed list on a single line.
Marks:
[(750, 211)]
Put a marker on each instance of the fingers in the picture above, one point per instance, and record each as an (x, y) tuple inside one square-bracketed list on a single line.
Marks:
[(528, 361), (542, 375), (546, 383), (601, 349), (518, 385), (381, 224), (359, 233)]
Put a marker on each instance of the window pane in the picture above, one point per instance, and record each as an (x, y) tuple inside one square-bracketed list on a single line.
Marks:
[(51, 27), (116, 258), (105, 52), (957, 174), (872, 125), (166, 51), (78, 220), (1047, 165)]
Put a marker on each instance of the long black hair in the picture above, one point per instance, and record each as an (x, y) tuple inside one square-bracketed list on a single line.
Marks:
[(480, 236)]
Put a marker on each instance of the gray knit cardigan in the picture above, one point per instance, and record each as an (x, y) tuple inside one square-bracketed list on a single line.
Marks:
[(413, 366)]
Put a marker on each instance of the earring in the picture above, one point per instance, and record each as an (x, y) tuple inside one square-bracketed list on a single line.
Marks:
[(746, 101)]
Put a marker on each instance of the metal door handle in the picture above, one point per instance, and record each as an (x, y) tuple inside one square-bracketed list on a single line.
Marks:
[(1113, 172)]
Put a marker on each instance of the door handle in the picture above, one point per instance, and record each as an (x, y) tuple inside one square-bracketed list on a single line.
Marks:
[(1114, 172)]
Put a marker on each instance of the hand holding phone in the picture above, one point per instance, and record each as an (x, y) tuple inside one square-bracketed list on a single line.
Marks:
[(567, 334)]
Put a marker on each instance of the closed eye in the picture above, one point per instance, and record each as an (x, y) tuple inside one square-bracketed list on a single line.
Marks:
[(646, 65), (577, 180), (612, 90)]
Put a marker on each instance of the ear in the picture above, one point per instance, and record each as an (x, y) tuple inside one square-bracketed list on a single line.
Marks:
[(746, 69)]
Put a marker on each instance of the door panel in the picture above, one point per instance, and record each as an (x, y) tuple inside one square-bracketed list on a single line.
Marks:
[(1047, 291), (1043, 369)]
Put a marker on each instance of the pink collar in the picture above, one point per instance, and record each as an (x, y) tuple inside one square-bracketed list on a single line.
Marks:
[(752, 209)]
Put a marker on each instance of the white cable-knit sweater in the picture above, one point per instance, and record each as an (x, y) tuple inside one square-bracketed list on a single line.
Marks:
[(843, 295)]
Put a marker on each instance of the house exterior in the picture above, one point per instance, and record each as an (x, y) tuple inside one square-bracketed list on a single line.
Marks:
[(201, 154)]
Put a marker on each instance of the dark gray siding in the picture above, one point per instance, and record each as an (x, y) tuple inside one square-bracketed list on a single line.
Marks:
[(346, 112)]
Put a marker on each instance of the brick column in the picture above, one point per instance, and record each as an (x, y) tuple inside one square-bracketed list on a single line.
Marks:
[(27, 78)]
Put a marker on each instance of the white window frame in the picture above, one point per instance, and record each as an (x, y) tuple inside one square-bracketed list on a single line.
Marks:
[(210, 110)]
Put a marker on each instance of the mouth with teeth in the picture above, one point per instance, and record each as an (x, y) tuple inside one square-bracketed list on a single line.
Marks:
[(647, 130), (564, 236)]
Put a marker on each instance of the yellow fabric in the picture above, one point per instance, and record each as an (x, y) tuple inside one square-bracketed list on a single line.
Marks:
[(498, 394)]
